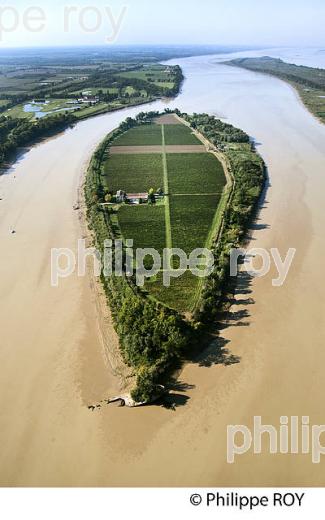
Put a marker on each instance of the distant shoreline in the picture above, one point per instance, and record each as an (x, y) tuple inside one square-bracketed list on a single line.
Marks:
[(308, 82)]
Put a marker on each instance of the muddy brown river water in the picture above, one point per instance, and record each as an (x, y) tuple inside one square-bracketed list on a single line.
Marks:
[(52, 353)]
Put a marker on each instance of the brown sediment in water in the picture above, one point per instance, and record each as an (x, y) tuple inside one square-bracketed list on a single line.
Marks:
[(53, 361)]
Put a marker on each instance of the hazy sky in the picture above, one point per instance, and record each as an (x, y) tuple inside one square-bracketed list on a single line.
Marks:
[(245, 22)]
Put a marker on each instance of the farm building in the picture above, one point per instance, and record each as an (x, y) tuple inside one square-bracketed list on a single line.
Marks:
[(92, 100), (137, 198)]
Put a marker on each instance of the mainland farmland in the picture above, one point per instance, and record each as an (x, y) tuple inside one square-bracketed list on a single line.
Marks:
[(173, 159)]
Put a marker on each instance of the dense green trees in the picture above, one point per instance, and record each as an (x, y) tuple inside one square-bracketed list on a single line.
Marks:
[(248, 171), (20, 132), (152, 337), (216, 131)]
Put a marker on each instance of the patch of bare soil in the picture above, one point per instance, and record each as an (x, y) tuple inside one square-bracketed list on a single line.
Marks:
[(187, 148), (167, 119)]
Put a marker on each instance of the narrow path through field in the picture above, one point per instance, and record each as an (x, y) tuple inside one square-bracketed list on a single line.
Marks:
[(166, 190), (196, 194)]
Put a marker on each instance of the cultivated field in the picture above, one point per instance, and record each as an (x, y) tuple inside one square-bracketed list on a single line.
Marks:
[(185, 148), (179, 134), (134, 173), (193, 181), (191, 218), (143, 135), (195, 174), (156, 74), (145, 224)]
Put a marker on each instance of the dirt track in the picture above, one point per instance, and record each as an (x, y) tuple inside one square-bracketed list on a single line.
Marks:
[(188, 148)]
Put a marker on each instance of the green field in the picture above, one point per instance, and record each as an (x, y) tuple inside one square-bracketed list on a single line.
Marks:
[(157, 74), (145, 225), (195, 183), (18, 111), (181, 295), (94, 90), (151, 135), (179, 134), (201, 174), (191, 218), (134, 173), (140, 136), (55, 104)]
